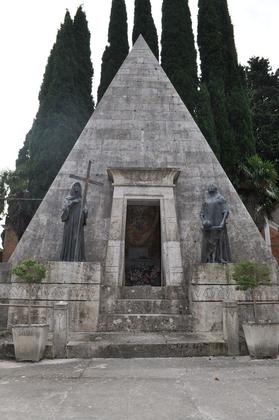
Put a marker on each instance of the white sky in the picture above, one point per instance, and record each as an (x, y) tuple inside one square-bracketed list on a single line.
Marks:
[(28, 30)]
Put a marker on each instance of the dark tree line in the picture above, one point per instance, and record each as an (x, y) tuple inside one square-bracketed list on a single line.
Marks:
[(222, 76), (65, 105), (179, 56), (263, 90), (118, 46)]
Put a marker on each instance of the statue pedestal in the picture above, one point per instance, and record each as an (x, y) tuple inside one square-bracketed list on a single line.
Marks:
[(75, 283)]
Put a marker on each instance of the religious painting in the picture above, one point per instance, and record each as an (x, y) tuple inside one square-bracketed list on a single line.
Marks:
[(143, 246)]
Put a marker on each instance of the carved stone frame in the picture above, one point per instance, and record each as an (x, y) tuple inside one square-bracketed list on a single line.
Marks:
[(142, 186)]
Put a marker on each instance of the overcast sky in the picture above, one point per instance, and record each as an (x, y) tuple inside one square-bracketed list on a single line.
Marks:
[(28, 30)]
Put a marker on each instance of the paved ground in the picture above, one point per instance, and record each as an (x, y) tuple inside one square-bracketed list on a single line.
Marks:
[(140, 389)]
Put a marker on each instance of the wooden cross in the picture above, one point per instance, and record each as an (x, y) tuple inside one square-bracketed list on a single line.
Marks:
[(87, 181)]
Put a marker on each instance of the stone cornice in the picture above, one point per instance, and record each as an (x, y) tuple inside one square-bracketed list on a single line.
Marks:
[(163, 177)]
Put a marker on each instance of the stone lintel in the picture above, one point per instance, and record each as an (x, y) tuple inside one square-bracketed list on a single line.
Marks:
[(158, 177)]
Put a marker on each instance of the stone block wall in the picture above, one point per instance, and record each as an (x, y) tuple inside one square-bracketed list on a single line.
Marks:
[(212, 284), (76, 283), (4, 280)]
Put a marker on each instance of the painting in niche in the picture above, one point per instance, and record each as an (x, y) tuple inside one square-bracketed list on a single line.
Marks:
[(143, 246)]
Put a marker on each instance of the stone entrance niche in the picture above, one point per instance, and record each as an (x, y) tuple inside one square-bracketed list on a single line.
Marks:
[(143, 244)]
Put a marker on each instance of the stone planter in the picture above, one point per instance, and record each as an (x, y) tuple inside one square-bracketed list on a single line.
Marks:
[(262, 339), (30, 341)]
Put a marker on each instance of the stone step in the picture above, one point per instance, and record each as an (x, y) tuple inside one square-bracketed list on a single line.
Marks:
[(119, 345), (149, 306), (149, 292), (129, 345), (144, 322)]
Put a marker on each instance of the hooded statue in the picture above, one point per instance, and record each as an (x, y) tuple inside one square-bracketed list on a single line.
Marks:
[(214, 214), (74, 218)]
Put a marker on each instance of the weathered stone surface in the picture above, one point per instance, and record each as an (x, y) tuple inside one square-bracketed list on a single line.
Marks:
[(148, 292), (77, 283), (144, 322), (72, 272), (60, 329), (119, 345), (84, 315), (53, 292), (140, 138), (213, 274), (207, 316), (212, 284), (205, 293), (144, 306), (5, 272), (231, 327), (265, 311), (5, 277), (141, 122)]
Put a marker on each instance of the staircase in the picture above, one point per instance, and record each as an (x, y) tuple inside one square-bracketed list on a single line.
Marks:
[(145, 321), (147, 309)]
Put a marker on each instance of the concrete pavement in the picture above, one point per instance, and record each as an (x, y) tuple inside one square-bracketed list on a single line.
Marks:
[(141, 389)]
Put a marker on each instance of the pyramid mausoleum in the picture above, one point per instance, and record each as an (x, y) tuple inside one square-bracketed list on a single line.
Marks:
[(143, 237)]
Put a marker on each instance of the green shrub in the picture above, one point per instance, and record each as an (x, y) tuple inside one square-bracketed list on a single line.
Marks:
[(249, 275), (30, 271)]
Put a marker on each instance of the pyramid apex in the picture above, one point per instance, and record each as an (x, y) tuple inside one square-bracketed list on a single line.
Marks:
[(141, 43), (141, 47)]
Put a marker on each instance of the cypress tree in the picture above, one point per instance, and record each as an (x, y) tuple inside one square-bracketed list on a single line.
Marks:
[(216, 41), (57, 124), (178, 55), (65, 105), (144, 25), (205, 119), (85, 70), (118, 48), (222, 76), (263, 87)]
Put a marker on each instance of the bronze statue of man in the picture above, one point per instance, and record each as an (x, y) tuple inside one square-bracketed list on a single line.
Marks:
[(214, 214), (74, 217)]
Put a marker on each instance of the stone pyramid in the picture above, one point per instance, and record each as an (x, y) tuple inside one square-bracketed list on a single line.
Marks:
[(141, 122)]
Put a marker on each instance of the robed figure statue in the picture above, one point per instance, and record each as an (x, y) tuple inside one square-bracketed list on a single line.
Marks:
[(214, 214), (74, 218)]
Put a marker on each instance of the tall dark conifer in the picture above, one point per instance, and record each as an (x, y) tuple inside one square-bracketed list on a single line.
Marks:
[(263, 86), (205, 119), (179, 56), (222, 76), (118, 48), (57, 124), (84, 65), (144, 25), (65, 105)]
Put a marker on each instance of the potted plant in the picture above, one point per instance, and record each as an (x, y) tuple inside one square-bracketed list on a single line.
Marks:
[(30, 339), (262, 337)]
